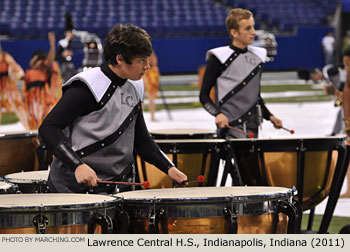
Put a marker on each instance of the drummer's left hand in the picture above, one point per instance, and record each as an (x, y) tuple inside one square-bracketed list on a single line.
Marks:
[(277, 123), (176, 175)]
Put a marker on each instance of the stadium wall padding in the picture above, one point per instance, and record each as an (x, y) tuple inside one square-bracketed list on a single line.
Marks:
[(185, 55)]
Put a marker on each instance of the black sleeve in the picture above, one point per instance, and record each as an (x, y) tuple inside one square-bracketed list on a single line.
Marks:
[(213, 71), (265, 112), (77, 100), (147, 148)]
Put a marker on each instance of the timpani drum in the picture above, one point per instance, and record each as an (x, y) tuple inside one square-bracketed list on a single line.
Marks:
[(18, 152), (7, 188), (308, 164), (56, 213), (29, 182), (194, 157), (212, 210)]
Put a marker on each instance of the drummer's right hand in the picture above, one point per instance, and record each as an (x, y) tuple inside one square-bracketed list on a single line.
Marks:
[(221, 120), (177, 175), (85, 175)]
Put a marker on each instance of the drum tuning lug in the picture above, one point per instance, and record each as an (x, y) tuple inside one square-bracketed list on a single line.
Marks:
[(233, 220), (152, 222), (41, 222)]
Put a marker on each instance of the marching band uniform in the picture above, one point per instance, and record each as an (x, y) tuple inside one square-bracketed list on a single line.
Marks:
[(236, 74)]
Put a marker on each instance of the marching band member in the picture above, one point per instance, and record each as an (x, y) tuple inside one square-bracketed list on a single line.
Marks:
[(235, 72), (97, 125)]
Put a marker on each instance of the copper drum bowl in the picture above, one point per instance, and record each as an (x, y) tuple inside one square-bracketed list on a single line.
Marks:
[(308, 164), (18, 152), (191, 150), (206, 210), (56, 213)]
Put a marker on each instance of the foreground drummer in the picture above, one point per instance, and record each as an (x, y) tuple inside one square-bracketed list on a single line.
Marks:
[(235, 72), (98, 123)]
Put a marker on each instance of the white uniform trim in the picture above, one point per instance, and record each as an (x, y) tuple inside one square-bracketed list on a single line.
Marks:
[(260, 52), (96, 76), (222, 53), (139, 87)]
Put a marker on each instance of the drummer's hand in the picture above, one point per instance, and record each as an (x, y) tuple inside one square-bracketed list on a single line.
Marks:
[(221, 120), (176, 175), (277, 123), (85, 175)]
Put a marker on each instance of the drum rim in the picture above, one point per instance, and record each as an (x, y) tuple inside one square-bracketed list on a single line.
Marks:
[(11, 135), (11, 187), (52, 207), (289, 192), (27, 180)]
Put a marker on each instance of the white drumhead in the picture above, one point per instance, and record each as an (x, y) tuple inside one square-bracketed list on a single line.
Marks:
[(28, 177), (188, 131), (54, 199), (203, 192), (5, 186)]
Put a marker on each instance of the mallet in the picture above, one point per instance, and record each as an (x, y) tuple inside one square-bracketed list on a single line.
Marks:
[(145, 184), (250, 135)]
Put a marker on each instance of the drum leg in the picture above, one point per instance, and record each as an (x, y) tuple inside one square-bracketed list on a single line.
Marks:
[(214, 167), (43, 157), (311, 219), (230, 168), (300, 171), (175, 162), (293, 216), (204, 162), (337, 182), (299, 207)]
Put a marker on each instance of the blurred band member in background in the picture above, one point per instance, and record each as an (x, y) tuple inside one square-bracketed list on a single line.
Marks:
[(10, 98), (151, 79), (42, 85)]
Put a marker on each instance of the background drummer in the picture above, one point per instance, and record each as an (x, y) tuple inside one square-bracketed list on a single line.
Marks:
[(235, 72), (346, 106), (97, 125)]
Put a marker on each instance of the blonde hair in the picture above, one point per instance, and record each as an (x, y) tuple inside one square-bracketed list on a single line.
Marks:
[(236, 15)]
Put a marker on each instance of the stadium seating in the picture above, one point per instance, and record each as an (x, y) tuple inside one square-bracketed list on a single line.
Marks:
[(32, 19), (283, 16)]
